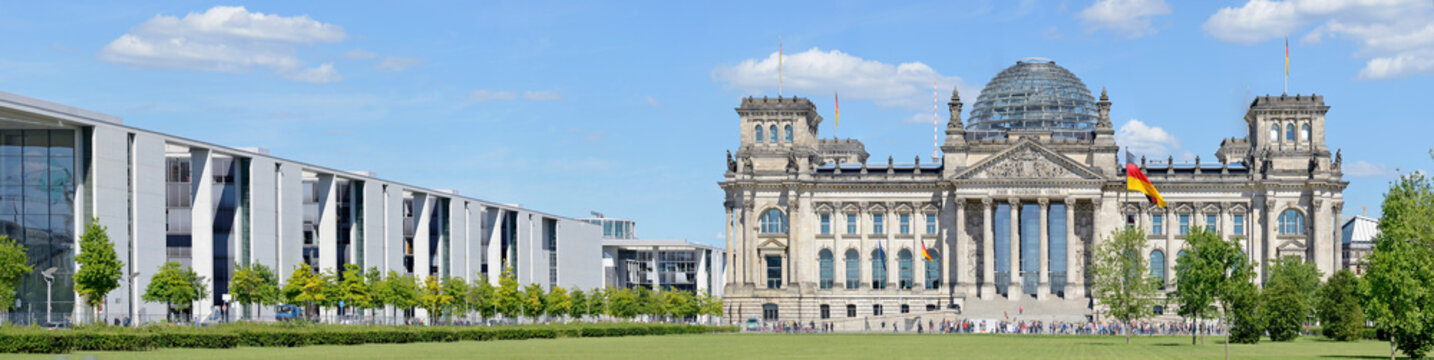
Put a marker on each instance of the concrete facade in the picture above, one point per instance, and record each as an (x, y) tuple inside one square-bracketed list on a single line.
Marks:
[(168, 198), (799, 220)]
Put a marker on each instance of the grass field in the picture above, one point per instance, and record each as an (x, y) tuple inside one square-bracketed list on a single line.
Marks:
[(765, 346)]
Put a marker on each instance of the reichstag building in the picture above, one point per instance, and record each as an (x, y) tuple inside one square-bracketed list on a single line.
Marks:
[(1011, 210)]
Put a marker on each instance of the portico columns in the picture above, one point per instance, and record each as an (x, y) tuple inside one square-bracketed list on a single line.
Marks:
[(988, 251), (961, 252), (1073, 288), (1014, 288), (1044, 280)]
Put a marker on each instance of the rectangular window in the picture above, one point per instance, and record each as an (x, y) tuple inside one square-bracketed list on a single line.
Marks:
[(1184, 224), (826, 224), (1239, 224), (930, 224), (876, 310), (877, 222), (905, 224), (1210, 222), (851, 311), (851, 224), (774, 272), (1157, 224), (769, 312), (826, 311)]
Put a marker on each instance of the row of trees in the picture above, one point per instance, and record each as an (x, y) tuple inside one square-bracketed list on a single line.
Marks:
[(453, 298), (1215, 280), (99, 274)]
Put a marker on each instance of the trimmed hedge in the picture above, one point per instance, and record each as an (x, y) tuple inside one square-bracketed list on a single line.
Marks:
[(106, 338)]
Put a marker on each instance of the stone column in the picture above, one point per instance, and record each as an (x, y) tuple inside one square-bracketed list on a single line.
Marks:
[(730, 254), (988, 251), (1044, 267), (1073, 259), (748, 253), (962, 249), (1014, 289)]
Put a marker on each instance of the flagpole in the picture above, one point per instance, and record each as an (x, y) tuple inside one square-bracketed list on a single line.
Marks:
[(779, 66)]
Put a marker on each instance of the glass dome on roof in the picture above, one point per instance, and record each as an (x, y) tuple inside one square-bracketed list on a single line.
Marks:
[(1034, 94)]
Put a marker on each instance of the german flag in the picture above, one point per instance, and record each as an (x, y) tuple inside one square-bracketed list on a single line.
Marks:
[(925, 253), (1135, 180)]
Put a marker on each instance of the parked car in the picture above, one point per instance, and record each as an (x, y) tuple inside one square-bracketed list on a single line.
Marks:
[(753, 324), (289, 312)]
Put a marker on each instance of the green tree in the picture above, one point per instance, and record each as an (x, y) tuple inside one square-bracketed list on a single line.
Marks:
[(1213, 271), (532, 301), (433, 299), (598, 300), (403, 291), (483, 298), (1246, 326), (1306, 278), (624, 303), (558, 303), (373, 279), (1399, 286), (100, 268), (1121, 277), (456, 288), (1283, 308), (682, 305), (353, 291), (1340, 314), (1199, 276), (177, 287), (508, 297), (580, 304), (711, 305), (309, 288), (254, 284), (14, 266)]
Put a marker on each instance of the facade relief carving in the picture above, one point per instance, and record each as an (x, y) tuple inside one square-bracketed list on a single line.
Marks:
[(1025, 163)]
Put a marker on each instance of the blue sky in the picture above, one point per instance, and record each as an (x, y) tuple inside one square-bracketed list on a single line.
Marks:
[(626, 108)]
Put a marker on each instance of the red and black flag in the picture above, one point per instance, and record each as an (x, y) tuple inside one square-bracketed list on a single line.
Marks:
[(1135, 180)]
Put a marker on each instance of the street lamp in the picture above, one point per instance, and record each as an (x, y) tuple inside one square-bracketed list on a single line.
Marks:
[(49, 275)]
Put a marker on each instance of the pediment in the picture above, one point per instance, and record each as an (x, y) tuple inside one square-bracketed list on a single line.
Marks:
[(773, 244), (1028, 160), (1291, 245)]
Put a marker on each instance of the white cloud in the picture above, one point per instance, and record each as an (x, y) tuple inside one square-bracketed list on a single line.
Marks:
[(1397, 36), (921, 118), (319, 74), (820, 73), (490, 95), (225, 39), (495, 95), (1149, 141), (398, 64), (652, 101), (1361, 168), (542, 95), (357, 54), (1130, 18)]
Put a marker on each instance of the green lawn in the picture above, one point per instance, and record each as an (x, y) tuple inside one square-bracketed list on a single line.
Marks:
[(762, 346)]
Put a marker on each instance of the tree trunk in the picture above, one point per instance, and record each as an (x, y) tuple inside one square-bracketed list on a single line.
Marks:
[(1127, 333), (1194, 330), (1391, 346)]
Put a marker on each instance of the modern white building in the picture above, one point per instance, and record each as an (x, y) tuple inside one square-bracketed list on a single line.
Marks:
[(167, 198), (675, 264), (1359, 233)]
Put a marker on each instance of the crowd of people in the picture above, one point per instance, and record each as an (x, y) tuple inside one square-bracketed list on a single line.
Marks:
[(1007, 327)]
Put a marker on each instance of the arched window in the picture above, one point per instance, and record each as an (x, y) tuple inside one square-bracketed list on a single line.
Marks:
[(878, 269), (853, 270), (828, 269), (933, 270), (1292, 222), (908, 278), (1157, 267), (774, 222), (788, 133), (1289, 132), (774, 133), (760, 138), (1305, 132), (1274, 133)]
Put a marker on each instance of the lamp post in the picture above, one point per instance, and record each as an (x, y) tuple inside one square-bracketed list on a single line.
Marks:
[(133, 299), (49, 275)]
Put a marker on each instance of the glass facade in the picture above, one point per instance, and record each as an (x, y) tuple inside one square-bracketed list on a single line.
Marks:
[(1002, 246), (1034, 94), (37, 209), (1057, 247), (1030, 248)]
